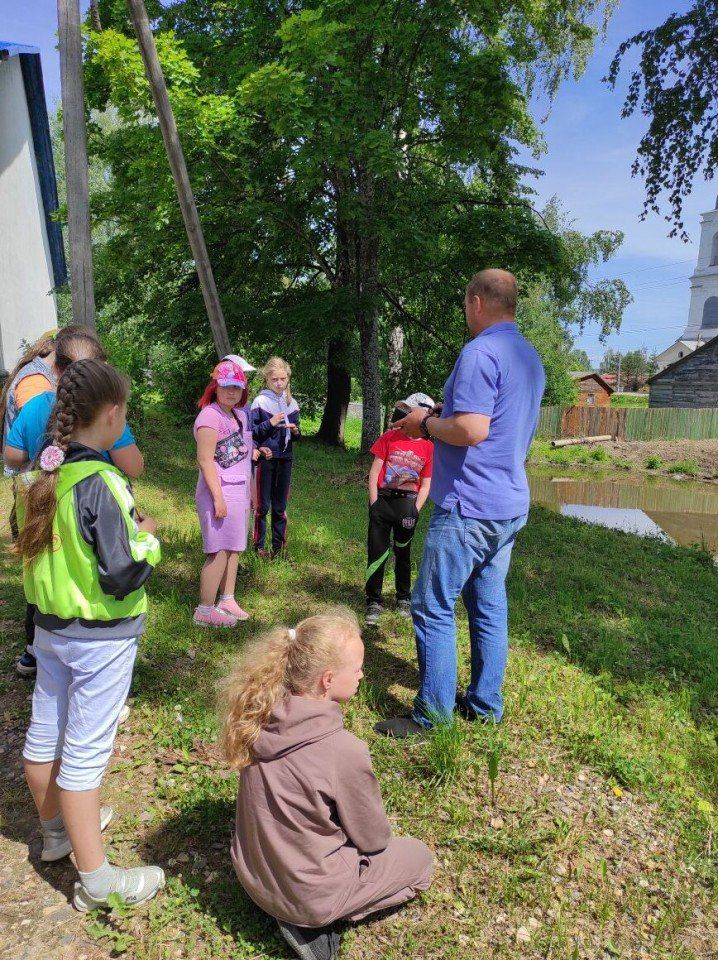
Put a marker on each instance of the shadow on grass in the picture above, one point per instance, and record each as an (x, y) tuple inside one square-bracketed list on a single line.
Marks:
[(193, 848)]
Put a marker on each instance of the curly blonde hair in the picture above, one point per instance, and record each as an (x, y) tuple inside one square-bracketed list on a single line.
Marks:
[(279, 663), (276, 363)]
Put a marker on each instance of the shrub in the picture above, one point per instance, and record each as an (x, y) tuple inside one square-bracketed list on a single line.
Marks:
[(653, 462), (688, 467)]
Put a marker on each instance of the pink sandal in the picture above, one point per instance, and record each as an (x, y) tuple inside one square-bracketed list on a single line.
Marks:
[(233, 609), (215, 618)]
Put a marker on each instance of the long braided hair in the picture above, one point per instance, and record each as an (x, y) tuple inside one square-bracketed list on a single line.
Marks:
[(84, 390)]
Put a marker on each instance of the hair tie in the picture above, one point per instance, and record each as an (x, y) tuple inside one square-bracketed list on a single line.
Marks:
[(51, 458), (292, 634)]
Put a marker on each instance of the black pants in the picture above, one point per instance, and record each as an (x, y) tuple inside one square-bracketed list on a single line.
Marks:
[(30, 609), (273, 480), (397, 515)]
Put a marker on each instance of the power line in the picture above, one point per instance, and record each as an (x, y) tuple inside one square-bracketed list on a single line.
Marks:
[(662, 283), (660, 266)]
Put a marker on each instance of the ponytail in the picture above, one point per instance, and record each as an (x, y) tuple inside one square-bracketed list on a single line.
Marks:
[(285, 661), (84, 389)]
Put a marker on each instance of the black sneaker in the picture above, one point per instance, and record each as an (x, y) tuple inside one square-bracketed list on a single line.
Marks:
[(403, 608), (373, 612), (401, 728), (26, 665), (468, 713), (311, 943)]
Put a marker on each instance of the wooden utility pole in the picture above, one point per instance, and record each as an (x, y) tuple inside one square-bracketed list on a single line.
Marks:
[(76, 166), (180, 175)]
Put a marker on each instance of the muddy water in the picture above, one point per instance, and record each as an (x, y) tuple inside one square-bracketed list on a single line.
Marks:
[(683, 512)]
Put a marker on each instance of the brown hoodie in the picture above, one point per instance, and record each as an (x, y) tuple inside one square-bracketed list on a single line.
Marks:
[(308, 807)]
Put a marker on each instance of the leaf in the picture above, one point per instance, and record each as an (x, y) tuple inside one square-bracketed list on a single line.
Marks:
[(617, 792), (565, 644)]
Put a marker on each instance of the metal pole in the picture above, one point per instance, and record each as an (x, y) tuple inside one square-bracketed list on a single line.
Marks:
[(76, 167), (181, 177)]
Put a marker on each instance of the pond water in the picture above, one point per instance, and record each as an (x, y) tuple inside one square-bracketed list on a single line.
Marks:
[(683, 512)]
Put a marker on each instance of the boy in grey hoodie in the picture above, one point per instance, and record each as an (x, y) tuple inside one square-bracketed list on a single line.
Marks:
[(312, 843)]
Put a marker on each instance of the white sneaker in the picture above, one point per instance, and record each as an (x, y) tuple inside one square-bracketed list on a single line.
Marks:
[(56, 843), (134, 886), (124, 714)]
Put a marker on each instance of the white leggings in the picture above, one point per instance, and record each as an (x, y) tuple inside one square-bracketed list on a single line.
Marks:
[(80, 689)]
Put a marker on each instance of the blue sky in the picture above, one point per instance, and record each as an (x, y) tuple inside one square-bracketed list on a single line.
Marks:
[(587, 165)]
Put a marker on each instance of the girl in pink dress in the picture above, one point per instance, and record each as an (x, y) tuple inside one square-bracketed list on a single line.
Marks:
[(225, 451)]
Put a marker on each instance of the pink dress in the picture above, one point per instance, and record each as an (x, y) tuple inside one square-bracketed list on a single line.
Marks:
[(233, 462)]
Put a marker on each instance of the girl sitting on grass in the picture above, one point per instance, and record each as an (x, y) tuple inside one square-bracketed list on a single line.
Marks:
[(312, 843), (87, 556)]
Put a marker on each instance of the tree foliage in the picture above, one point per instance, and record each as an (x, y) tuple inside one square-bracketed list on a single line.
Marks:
[(634, 366), (354, 163), (676, 85)]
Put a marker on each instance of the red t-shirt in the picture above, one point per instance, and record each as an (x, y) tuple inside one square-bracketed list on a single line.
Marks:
[(406, 462)]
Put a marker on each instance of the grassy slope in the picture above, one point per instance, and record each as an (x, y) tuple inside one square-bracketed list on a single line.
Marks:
[(598, 843)]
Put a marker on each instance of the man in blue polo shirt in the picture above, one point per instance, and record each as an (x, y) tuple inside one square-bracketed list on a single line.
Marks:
[(481, 496)]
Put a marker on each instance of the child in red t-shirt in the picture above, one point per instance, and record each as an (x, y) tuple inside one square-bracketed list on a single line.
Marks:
[(399, 481)]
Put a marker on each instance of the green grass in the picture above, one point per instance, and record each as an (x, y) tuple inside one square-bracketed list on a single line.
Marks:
[(689, 467), (606, 762), (584, 454), (654, 462), (623, 400)]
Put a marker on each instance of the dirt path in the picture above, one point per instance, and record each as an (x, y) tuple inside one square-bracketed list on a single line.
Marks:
[(703, 452)]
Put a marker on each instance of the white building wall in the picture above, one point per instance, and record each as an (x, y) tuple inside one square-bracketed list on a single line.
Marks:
[(27, 304), (704, 282), (674, 352)]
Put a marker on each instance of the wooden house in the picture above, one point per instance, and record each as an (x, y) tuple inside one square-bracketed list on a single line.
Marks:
[(691, 381), (593, 390)]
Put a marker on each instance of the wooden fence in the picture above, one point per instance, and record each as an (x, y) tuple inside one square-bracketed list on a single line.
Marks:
[(626, 423)]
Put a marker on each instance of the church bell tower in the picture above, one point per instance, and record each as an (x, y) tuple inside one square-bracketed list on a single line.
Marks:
[(703, 313)]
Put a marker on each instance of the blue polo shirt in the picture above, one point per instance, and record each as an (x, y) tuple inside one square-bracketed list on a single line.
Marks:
[(499, 374), (30, 426)]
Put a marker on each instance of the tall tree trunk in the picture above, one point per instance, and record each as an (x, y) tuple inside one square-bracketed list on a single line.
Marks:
[(339, 385), (95, 16), (394, 364), (365, 262), (371, 386), (76, 166)]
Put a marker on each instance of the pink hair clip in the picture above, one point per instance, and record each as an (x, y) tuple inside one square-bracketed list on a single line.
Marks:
[(51, 458)]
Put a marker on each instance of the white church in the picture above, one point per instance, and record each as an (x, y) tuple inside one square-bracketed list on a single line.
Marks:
[(703, 313)]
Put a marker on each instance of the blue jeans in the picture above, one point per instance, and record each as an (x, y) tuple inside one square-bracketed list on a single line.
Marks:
[(471, 558)]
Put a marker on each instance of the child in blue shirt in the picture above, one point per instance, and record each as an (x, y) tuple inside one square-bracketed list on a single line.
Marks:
[(26, 436)]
